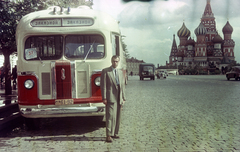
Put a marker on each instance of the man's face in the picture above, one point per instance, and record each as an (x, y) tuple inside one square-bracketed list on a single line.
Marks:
[(115, 62)]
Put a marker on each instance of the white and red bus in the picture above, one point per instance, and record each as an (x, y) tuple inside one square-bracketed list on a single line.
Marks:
[(61, 53)]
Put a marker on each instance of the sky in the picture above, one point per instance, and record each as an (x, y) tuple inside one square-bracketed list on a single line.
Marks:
[(148, 27)]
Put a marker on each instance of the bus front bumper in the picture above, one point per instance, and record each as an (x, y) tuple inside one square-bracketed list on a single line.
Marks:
[(51, 111)]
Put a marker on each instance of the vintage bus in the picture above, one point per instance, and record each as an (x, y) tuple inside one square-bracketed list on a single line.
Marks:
[(61, 53)]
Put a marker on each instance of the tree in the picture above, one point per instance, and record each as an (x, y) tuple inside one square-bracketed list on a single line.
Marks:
[(7, 39), (127, 55), (10, 14), (69, 3)]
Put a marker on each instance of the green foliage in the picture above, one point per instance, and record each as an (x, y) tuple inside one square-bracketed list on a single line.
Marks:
[(7, 28), (127, 55), (10, 14), (180, 67), (68, 3), (202, 72)]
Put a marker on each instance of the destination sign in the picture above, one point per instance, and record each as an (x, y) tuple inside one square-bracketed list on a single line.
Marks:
[(77, 22), (62, 22), (46, 22)]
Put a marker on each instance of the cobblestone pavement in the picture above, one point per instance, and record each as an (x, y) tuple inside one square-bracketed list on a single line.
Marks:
[(180, 113)]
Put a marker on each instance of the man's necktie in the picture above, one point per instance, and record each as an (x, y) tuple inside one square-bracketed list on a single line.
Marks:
[(116, 76)]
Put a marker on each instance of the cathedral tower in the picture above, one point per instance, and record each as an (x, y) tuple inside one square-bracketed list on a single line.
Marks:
[(201, 45), (228, 43), (208, 20), (183, 34), (174, 51)]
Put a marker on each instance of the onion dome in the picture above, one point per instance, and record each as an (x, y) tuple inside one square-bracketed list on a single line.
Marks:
[(190, 41), (200, 30), (183, 31), (217, 39), (227, 29)]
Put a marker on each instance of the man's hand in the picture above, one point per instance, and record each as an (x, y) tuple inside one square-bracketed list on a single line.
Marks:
[(122, 105), (105, 101)]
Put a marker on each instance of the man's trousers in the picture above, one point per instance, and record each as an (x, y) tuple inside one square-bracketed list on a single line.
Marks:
[(113, 116)]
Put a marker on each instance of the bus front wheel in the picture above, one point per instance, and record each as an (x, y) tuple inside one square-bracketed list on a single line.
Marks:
[(32, 123)]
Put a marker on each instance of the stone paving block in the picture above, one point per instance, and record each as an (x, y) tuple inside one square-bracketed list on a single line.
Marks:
[(165, 150), (129, 148), (151, 150)]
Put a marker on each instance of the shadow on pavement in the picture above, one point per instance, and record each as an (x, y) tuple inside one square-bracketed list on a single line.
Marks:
[(59, 126), (83, 138)]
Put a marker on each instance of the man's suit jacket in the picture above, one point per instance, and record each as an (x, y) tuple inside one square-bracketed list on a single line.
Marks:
[(109, 85)]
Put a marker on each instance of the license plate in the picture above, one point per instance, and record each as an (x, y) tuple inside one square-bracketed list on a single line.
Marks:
[(64, 102)]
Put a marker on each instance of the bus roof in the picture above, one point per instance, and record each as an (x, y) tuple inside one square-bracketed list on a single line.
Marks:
[(63, 18)]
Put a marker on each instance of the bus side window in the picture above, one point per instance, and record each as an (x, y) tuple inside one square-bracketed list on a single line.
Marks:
[(115, 45)]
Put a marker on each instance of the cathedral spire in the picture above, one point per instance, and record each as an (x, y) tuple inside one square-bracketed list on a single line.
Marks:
[(208, 10), (208, 20), (174, 47), (174, 44)]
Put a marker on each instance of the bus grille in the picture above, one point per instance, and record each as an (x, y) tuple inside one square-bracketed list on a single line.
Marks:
[(81, 83), (63, 80), (46, 84)]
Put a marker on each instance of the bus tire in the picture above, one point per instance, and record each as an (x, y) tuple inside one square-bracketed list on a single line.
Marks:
[(32, 123)]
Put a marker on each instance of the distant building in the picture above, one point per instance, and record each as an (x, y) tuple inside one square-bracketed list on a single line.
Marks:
[(133, 65), (209, 49)]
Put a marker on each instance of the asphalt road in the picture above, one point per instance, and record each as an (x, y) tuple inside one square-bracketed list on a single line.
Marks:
[(179, 113)]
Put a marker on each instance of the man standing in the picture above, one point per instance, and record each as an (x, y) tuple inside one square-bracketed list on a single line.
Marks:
[(113, 96)]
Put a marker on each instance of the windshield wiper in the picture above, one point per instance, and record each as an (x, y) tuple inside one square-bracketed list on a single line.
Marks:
[(88, 52)]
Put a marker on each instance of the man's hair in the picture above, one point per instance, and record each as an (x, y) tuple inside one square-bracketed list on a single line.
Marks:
[(114, 57)]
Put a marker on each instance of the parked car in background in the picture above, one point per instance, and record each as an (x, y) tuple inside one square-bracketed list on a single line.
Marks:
[(147, 70), (234, 73), (162, 74)]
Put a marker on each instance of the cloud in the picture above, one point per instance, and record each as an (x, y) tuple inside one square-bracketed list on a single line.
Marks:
[(112, 7), (141, 15), (147, 45)]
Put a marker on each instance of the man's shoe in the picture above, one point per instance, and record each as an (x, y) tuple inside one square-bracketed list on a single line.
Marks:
[(109, 139), (115, 136)]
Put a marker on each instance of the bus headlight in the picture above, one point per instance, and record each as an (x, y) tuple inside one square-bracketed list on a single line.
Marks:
[(29, 84), (97, 81)]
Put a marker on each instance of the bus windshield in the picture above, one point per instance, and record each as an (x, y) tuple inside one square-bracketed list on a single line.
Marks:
[(76, 46), (43, 48), (84, 46)]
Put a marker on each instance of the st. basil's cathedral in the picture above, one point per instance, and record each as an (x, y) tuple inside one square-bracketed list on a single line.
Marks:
[(208, 49)]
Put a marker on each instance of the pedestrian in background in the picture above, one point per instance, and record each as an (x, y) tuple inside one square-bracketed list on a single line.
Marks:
[(14, 75), (113, 96), (2, 73)]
